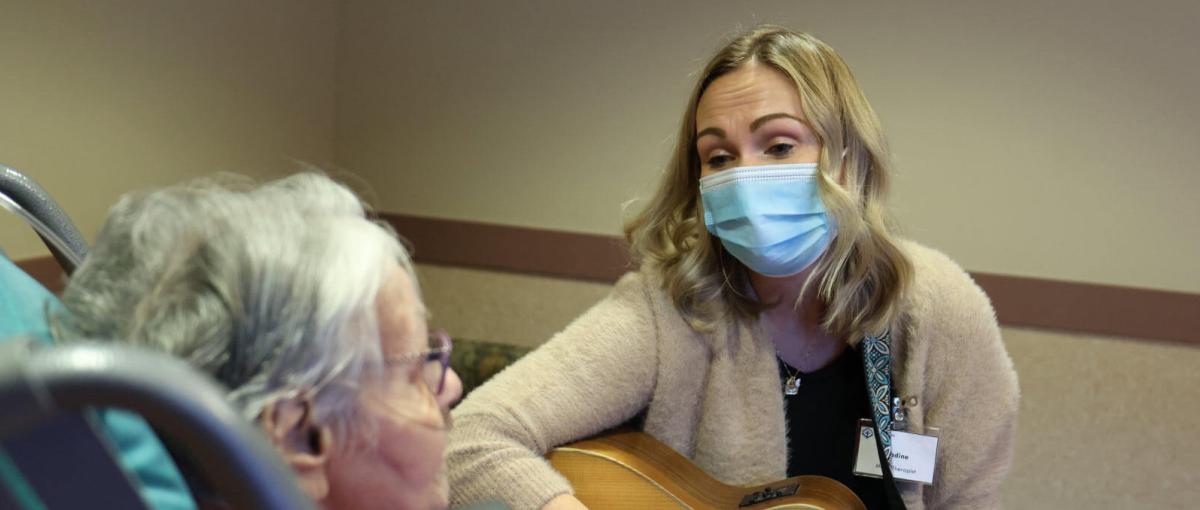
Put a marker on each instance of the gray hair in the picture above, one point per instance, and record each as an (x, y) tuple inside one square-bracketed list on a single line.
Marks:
[(271, 289)]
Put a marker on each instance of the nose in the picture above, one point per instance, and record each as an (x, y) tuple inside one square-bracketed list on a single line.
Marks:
[(451, 390), (752, 159)]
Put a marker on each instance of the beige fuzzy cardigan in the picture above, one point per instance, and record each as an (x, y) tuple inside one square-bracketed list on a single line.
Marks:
[(716, 398)]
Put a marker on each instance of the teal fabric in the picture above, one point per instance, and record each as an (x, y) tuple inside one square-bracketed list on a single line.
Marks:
[(877, 363), (141, 454), (16, 485), (23, 307), (23, 303)]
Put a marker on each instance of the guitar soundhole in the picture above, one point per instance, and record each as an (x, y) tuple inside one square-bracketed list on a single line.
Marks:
[(768, 493)]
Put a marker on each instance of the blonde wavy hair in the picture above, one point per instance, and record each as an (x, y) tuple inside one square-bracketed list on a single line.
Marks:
[(861, 277)]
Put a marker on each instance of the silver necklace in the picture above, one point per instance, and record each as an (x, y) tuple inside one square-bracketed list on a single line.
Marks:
[(792, 385)]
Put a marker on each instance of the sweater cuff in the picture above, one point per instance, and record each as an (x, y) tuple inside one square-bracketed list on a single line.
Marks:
[(524, 484)]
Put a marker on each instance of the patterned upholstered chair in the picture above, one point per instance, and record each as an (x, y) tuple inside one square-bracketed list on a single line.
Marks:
[(476, 361)]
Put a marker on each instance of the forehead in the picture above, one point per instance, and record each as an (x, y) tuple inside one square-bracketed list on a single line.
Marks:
[(746, 94), (400, 313)]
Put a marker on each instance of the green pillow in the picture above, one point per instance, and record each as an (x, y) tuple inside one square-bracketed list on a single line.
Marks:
[(476, 361)]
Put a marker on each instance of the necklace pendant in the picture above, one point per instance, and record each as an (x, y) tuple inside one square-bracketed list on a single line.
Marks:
[(791, 386)]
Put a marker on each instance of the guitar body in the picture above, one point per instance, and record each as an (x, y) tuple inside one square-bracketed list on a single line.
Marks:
[(628, 469)]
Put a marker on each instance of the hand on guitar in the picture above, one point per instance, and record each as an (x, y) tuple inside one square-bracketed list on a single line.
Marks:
[(564, 502)]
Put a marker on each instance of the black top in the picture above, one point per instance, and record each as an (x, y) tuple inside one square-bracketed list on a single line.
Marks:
[(822, 420)]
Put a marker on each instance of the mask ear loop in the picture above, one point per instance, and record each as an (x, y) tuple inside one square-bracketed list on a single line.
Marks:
[(715, 244), (721, 254)]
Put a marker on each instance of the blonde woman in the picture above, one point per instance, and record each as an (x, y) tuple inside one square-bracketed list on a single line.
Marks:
[(773, 309)]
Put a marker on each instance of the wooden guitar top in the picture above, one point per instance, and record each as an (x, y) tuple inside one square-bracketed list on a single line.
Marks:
[(629, 469)]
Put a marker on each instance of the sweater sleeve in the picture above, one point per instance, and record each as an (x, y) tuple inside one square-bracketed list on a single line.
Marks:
[(971, 390), (595, 374)]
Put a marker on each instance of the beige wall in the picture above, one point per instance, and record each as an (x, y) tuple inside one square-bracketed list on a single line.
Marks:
[(100, 98), (503, 307), (1104, 423), (1046, 139), (1051, 140)]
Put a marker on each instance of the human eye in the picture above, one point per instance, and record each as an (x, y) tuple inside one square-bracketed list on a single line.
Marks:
[(718, 160), (781, 149)]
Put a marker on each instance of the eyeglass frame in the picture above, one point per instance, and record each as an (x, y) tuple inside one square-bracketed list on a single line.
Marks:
[(441, 354)]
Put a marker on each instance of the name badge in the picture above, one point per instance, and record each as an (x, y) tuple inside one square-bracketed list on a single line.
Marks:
[(866, 454), (913, 455)]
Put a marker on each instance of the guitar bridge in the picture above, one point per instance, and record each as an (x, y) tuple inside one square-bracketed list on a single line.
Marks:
[(768, 493)]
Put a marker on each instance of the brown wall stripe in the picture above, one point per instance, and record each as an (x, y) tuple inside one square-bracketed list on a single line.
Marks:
[(516, 249), (1019, 301), (1092, 308)]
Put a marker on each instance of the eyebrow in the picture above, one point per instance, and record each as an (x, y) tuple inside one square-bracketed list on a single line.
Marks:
[(720, 133), (772, 116), (715, 131)]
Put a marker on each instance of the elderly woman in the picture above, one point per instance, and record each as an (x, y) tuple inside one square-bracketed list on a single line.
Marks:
[(773, 310), (306, 310)]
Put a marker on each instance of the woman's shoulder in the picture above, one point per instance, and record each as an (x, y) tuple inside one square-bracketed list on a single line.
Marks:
[(646, 289), (643, 284), (942, 295), (636, 297), (932, 264)]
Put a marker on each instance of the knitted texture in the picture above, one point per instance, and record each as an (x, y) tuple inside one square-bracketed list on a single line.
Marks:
[(715, 398)]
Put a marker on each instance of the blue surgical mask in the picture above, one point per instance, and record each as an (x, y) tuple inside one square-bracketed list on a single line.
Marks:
[(770, 217)]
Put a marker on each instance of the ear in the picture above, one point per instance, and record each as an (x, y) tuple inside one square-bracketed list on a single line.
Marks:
[(304, 444)]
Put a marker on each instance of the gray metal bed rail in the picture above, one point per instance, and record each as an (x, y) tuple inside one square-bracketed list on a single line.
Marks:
[(38, 384), (24, 197)]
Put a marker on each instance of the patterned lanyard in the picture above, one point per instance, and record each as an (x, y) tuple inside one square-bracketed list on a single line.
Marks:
[(877, 361)]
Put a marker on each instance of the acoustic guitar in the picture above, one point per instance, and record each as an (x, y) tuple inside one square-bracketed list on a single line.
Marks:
[(628, 469)]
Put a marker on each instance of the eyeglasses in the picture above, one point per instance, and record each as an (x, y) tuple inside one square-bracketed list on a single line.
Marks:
[(436, 361)]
